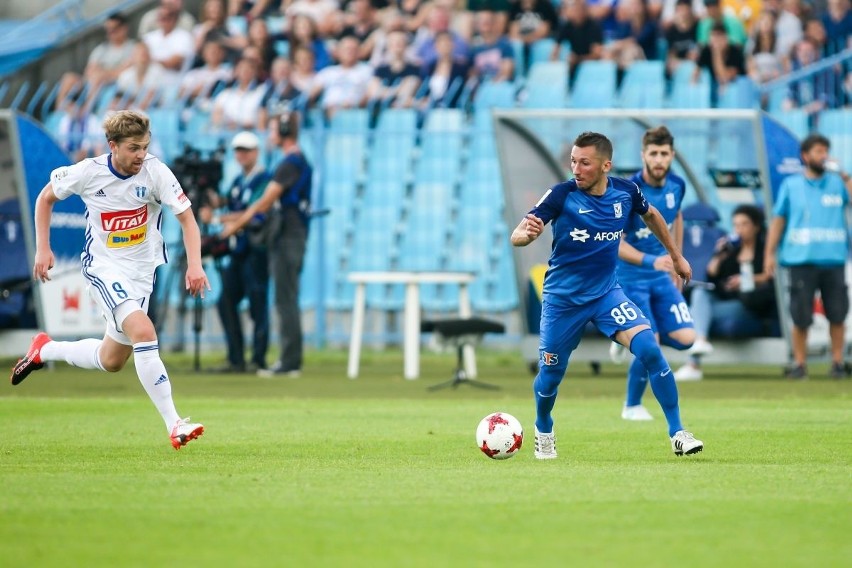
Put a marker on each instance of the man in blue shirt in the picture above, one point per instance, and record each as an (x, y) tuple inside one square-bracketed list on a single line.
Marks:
[(589, 214), (810, 227), (246, 274), (644, 267)]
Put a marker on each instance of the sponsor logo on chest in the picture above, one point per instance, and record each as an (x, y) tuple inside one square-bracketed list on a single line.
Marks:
[(123, 220), (128, 238)]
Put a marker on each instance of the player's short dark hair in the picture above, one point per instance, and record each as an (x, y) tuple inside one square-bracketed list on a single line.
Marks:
[(118, 18), (659, 136), (814, 140), (601, 143)]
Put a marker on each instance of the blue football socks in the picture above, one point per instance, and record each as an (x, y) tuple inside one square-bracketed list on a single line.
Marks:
[(644, 346)]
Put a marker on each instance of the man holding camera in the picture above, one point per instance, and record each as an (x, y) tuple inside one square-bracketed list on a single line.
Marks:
[(290, 193), (246, 273)]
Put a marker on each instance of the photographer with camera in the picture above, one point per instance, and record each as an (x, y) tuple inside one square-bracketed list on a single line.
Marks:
[(245, 273), (287, 200), (742, 300)]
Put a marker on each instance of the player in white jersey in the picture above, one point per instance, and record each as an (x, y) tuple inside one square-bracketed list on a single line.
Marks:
[(124, 192)]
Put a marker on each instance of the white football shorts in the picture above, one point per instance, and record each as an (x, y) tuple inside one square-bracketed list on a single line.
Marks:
[(118, 295)]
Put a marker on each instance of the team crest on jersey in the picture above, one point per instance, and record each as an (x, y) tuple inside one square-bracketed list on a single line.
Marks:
[(617, 208), (141, 190), (549, 359), (128, 238), (670, 200)]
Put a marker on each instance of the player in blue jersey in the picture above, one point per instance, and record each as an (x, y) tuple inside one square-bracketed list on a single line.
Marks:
[(589, 214), (645, 269)]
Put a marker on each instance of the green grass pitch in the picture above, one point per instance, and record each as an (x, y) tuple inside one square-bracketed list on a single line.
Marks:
[(324, 471)]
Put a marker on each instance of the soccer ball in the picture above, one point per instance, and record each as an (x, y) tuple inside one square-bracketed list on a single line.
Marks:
[(499, 435)]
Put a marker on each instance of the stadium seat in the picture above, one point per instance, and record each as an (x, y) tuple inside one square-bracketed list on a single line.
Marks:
[(165, 126), (594, 86), (643, 85), (740, 93), (494, 95), (795, 120), (835, 121), (841, 148), (393, 142), (546, 85), (685, 93)]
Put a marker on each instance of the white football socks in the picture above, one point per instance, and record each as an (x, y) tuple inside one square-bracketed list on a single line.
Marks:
[(83, 353), (154, 378)]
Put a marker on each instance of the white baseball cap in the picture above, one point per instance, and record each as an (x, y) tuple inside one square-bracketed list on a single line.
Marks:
[(245, 139)]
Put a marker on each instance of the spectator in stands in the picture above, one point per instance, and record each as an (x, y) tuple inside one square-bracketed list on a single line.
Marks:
[(634, 35), (377, 42), (582, 32), (213, 27), (201, 81), (246, 275), (492, 56), (603, 12), (444, 76), (813, 93), (171, 47), (303, 33), (322, 12), (788, 28), (238, 106), (531, 21), (837, 20), (149, 23), (723, 59), (143, 80), (424, 39), (259, 38), (343, 85), (500, 8), (279, 91), (814, 30), (742, 302), (110, 58), (79, 130), (809, 227), (734, 28), (251, 9), (669, 7), (395, 82), (763, 62), (681, 37), (303, 72), (359, 20), (290, 192)]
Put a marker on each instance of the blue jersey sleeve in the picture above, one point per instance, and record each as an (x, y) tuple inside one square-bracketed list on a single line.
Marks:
[(551, 203), (640, 204)]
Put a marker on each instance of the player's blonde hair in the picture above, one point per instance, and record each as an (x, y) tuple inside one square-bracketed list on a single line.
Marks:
[(126, 124)]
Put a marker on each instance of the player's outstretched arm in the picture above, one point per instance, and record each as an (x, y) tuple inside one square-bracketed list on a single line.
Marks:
[(196, 279), (629, 253), (657, 224), (528, 230), (44, 259)]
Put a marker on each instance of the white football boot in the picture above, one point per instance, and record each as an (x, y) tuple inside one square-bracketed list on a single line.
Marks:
[(545, 445), (637, 413), (684, 443)]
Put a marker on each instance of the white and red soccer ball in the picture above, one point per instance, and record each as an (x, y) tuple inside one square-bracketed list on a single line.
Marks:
[(499, 435)]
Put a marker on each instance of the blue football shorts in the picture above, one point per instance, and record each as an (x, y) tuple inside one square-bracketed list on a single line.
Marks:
[(562, 327), (662, 303)]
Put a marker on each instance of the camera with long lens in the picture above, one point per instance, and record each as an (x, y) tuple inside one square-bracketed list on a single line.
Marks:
[(200, 175)]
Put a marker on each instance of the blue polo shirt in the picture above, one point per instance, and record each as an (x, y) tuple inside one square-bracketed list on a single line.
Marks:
[(816, 220)]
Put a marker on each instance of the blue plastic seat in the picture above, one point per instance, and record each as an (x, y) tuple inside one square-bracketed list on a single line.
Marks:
[(547, 85), (494, 95), (594, 86), (643, 85), (795, 120), (686, 93), (835, 121)]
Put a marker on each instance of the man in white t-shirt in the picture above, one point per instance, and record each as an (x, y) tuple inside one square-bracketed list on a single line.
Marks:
[(344, 85), (171, 47), (123, 192)]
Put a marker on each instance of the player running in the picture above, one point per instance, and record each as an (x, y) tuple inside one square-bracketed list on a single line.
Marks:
[(589, 214), (645, 269), (123, 192)]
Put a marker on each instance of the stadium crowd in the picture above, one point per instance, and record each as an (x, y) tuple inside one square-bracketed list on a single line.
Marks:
[(238, 58)]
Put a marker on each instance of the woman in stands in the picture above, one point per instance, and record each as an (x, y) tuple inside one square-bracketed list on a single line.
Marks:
[(742, 303)]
